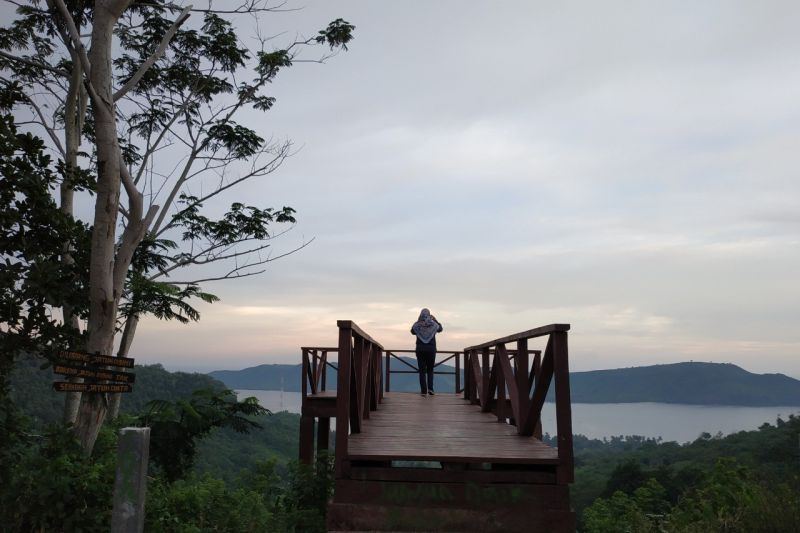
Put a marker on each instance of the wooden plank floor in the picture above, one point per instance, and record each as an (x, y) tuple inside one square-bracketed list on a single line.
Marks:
[(444, 427)]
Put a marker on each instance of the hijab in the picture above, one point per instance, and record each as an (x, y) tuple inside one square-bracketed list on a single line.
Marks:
[(425, 327)]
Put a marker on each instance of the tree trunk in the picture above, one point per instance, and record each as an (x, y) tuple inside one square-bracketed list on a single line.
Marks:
[(104, 293), (74, 115), (124, 349)]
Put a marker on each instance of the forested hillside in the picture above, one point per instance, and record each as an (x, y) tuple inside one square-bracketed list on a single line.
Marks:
[(621, 484), (31, 388), (690, 383), (223, 453), (745, 482), (234, 481)]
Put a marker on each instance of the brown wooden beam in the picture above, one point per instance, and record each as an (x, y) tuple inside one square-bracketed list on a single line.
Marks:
[(349, 324), (343, 400), (510, 381), (307, 439), (566, 472), (531, 333), (539, 391), (521, 378)]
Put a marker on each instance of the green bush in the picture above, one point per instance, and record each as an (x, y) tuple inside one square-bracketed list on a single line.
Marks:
[(53, 487)]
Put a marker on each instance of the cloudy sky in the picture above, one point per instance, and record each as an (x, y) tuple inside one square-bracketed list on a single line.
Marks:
[(624, 167)]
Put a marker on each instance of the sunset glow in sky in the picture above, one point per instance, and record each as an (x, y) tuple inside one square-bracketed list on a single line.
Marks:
[(625, 167)]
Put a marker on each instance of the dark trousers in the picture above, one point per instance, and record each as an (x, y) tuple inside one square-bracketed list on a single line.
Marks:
[(425, 362)]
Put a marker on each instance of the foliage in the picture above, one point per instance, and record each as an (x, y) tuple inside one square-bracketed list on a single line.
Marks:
[(698, 488), (730, 499), (176, 426), (225, 454), (52, 486), (174, 92), (31, 390), (624, 513), (33, 232), (259, 500), (205, 504)]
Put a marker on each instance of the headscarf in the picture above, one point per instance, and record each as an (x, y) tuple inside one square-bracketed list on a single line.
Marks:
[(425, 327)]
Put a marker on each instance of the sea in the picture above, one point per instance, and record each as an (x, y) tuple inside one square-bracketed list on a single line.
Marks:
[(670, 422)]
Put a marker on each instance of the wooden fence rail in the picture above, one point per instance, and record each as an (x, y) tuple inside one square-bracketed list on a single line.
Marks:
[(359, 384), (392, 354), (517, 394)]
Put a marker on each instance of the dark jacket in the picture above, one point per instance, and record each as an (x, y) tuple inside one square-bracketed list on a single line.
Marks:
[(427, 346)]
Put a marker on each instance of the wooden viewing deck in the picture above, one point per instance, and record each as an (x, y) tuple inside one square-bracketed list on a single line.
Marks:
[(411, 427), (467, 460)]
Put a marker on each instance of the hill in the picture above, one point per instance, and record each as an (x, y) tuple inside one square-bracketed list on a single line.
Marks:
[(287, 378), (32, 392), (687, 383), (684, 383)]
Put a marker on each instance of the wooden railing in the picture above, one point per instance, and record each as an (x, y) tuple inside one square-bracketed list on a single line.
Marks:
[(392, 354), (517, 394), (359, 383), (315, 366)]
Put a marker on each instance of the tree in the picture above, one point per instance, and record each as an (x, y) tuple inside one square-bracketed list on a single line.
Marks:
[(169, 90), (176, 426), (32, 231)]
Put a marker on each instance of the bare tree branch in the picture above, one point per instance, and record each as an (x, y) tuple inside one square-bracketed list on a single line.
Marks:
[(150, 61), (75, 37), (49, 129), (246, 8), (36, 64), (237, 273)]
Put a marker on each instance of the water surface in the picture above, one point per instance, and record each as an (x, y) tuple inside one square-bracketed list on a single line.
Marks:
[(680, 423)]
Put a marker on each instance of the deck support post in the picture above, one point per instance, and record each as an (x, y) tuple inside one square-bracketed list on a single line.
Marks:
[(458, 373), (307, 439), (343, 399), (566, 470), (323, 434), (521, 378)]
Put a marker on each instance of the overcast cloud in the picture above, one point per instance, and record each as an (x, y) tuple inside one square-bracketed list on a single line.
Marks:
[(624, 167)]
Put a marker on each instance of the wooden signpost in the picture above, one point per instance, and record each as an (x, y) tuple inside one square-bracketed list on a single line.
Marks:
[(92, 369)]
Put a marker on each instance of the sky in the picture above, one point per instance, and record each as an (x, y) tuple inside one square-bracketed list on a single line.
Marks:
[(628, 168)]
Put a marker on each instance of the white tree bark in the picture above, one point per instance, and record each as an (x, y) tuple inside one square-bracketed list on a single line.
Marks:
[(104, 290), (74, 116)]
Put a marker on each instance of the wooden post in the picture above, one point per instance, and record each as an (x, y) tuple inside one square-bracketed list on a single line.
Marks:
[(388, 370), (566, 470), (485, 374), (500, 383), (380, 376), (535, 370), (323, 434), (130, 482), (467, 380), (304, 384), (476, 379), (521, 377), (458, 372), (324, 370), (343, 400), (306, 439)]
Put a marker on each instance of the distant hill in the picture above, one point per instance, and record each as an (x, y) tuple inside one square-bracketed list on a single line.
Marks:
[(688, 383), (685, 383), (32, 392), (287, 378)]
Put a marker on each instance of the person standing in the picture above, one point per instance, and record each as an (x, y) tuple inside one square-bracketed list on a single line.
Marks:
[(425, 328)]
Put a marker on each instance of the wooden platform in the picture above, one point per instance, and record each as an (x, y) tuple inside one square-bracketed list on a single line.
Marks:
[(445, 428), (452, 462)]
